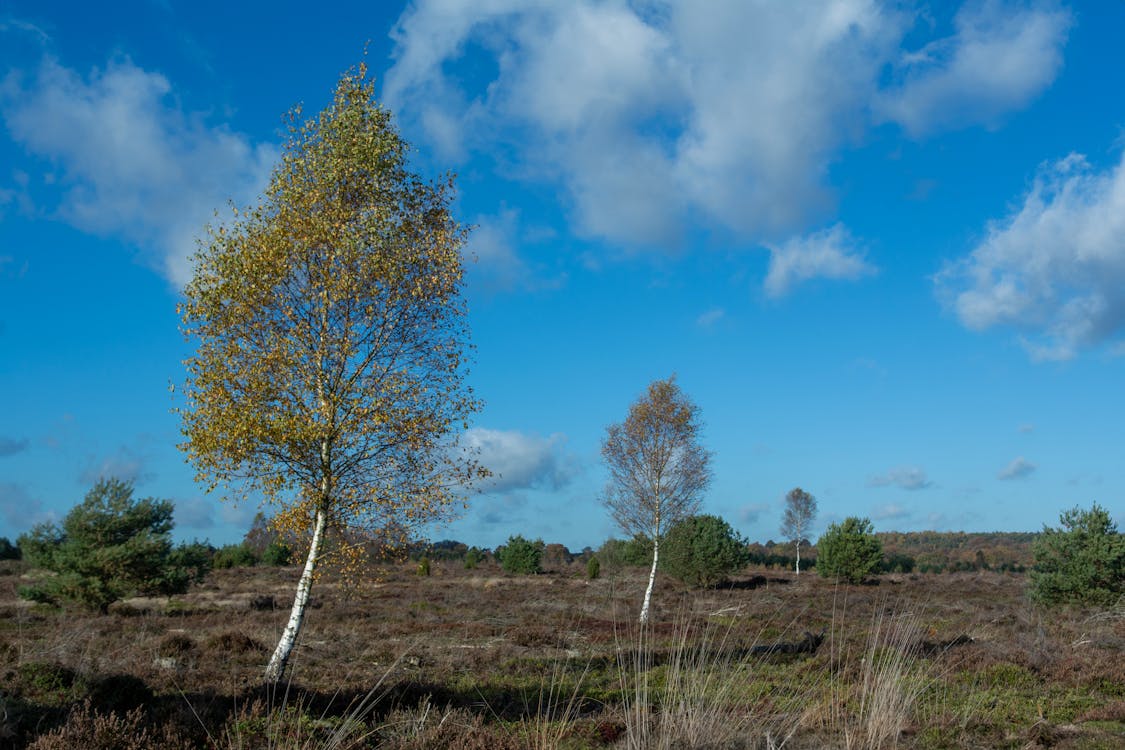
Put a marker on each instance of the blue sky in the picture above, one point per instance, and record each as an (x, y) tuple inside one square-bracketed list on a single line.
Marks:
[(881, 245)]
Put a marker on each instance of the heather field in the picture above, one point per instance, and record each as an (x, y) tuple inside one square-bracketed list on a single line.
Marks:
[(482, 659)]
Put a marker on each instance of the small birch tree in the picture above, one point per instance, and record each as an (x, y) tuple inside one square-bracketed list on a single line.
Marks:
[(658, 471), (800, 510), (331, 333)]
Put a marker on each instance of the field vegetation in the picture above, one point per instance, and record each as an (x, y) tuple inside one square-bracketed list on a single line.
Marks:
[(475, 657)]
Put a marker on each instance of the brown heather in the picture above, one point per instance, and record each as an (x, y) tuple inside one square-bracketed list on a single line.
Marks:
[(479, 659)]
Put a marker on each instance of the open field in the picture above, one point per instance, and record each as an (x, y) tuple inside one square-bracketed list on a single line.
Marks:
[(480, 659)]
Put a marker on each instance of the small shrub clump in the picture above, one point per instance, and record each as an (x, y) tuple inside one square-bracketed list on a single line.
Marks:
[(277, 554), (109, 547), (521, 556), (1083, 562), (849, 550), (593, 568), (234, 556), (473, 557), (703, 551)]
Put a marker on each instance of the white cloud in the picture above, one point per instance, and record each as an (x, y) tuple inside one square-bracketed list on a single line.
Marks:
[(890, 512), (907, 478), (195, 513), (1053, 269), (15, 25), (752, 513), (124, 464), (711, 318), (19, 511), (494, 262), (519, 461), (1000, 58), (655, 117), (133, 163), (1018, 469), (830, 254)]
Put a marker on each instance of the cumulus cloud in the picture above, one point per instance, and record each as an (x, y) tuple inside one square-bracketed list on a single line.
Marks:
[(890, 512), (491, 249), (195, 513), (999, 59), (1054, 269), (711, 318), (829, 254), (907, 478), (655, 117), (124, 464), (19, 509), (753, 512), (519, 461), (12, 446), (1018, 469), (132, 162)]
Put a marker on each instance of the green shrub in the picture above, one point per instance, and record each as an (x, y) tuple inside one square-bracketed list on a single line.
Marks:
[(702, 551), (849, 550), (424, 567), (898, 563), (1082, 562), (109, 547), (521, 556), (234, 556), (474, 556), (593, 568), (276, 553), (187, 563), (616, 554)]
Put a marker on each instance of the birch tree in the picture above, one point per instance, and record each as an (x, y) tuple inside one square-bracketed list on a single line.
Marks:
[(800, 510), (658, 470), (329, 375)]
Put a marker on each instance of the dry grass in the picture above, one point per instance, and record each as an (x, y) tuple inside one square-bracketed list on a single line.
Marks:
[(479, 659)]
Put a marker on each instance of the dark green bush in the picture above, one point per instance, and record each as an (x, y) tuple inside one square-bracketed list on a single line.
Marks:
[(8, 551), (616, 554), (898, 563), (521, 556), (276, 553), (702, 551), (1082, 562), (849, 550), (234, 556), (424, 567), (474, 556), (593, 568), (110, 547)]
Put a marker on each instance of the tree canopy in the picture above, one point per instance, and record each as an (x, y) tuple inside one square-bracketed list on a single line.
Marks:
[(703, 551), (109, 547), (1081, 562), (800, 510), (658, 469), (331, 333), (849, 550)]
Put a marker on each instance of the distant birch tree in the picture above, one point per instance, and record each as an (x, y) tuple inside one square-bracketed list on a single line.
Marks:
[(331, 333), (658, 471), (800, 510)]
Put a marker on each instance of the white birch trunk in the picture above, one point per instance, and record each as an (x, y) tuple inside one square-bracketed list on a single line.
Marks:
[(798, 557), (651, 580), (280, 658)]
